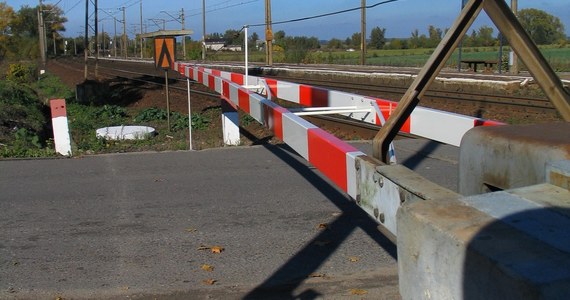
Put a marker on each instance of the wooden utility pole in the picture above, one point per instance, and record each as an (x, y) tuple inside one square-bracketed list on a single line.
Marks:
[(203, 29), (268, 34), (115, 37), (515, 65), (142, 48), (86, 39), (183, 22), (96, 41), (124, 43), (363, 34)]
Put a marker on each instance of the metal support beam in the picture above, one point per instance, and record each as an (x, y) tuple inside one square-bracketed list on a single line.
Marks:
[(426, 76), (530, 55)]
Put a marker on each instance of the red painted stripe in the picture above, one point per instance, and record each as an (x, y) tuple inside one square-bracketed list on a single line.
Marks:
[(312, 96), (200, 77), (482, 122), (58, 108), (243, 100), (226, 89), (272, 84), (274, 119), (386, 112), (211, 82), (328, 154), (217, 73), (237, 78)]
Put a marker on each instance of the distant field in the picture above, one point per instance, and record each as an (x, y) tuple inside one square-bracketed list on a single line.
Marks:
[(559, 58)]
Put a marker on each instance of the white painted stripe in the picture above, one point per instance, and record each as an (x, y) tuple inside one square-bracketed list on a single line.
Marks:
[(295, 133), (234, 96), (256, 107), (288, 91), (196, 74), (219, 85), (187, 71), (226, 75), (351, 184), (61, 137), (440, 126)]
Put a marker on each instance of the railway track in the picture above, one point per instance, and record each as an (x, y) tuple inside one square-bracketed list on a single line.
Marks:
[(349, 128), (147, 73)]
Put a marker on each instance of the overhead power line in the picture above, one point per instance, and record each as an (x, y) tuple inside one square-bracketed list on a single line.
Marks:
[(324, 15)]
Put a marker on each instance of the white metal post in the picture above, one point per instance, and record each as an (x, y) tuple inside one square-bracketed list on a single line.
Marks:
[(246, 57), (189, 118)]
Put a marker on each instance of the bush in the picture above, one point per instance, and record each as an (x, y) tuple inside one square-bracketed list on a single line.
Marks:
[(21, 73)]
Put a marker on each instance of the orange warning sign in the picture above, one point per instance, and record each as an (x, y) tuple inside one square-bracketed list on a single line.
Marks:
[(164, 52)]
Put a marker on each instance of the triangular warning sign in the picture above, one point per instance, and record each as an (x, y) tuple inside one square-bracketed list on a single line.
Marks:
[(164, 52)]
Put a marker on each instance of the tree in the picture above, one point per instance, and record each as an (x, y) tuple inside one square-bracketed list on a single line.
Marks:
[(435, 35), (355, 39), (542, 27), (335, 44), (6, 18), (253, 40), (485, 36), (377, 38)]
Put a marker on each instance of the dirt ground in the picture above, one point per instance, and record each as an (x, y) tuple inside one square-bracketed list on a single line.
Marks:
[(154, 96)]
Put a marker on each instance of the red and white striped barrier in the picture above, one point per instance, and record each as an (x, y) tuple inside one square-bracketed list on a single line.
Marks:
[(330, 155), (429, 123), (60, 127)]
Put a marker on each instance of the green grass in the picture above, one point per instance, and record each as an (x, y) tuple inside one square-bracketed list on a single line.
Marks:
[(557, 56)]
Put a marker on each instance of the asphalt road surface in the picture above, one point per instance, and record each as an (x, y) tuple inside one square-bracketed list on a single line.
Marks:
[(145, 226)]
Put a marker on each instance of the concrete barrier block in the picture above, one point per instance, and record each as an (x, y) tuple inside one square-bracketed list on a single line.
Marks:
[(507, 157), (492, 246)]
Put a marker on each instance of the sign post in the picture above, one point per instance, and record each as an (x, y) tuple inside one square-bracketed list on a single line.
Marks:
[(164, 57)]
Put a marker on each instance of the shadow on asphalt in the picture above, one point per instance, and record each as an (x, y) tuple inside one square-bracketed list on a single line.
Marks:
[(283, 282)]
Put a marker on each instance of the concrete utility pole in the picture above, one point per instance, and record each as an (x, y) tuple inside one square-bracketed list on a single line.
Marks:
[(268, 34), (124, 33), (203, 29), (86, 39), (363, 34), (142, 48), (515, 59), (41, 28)]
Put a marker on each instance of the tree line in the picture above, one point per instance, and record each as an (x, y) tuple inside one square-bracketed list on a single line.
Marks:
[(19, 35)]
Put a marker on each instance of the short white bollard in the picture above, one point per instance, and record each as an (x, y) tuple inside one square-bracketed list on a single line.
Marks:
[(60, 127), (230, 124)]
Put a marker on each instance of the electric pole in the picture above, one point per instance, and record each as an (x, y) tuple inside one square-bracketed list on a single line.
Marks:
[(203, 29), (115, 37), (363, 34), (124, 33), (86, 39), (41, 28), (96, 41), (268, 34), (515, 59), (183, 21), (141, 30)]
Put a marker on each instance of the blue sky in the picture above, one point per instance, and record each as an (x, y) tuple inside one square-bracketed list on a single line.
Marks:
[(399, 18)]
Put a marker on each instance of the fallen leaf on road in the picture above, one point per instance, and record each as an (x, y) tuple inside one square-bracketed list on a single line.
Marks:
[(358, 292), (353, 258), (202, 248), (207, 267), (323, 226), (317, 275), (209, 281), (191, 229), (217, 249)]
